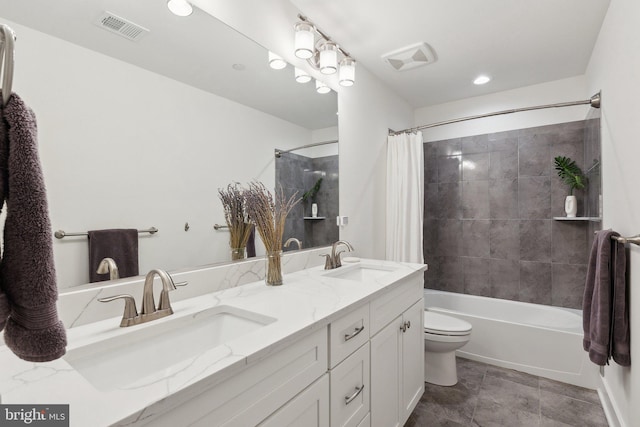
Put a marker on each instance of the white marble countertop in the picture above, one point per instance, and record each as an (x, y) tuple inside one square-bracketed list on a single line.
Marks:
[(307, 301)]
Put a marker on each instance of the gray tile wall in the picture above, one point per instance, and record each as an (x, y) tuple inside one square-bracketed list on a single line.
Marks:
[(297, 174), (489, 204)]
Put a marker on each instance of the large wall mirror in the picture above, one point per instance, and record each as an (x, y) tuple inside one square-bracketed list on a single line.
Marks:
[(142, 133)]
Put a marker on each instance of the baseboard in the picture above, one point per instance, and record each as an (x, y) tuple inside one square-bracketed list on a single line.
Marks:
[(611, 410)]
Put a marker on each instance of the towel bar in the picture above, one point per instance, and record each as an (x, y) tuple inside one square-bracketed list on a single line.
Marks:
[(632, 239), (61, 234)]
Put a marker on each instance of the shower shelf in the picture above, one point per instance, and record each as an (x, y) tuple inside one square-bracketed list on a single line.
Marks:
[(314, 218), (578, 218)]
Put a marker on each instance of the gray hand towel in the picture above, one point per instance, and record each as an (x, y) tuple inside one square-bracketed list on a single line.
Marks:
[(605, 315), (27, 272), (119, 244)]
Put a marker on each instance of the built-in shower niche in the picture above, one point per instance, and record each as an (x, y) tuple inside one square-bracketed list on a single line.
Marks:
[(297, 174), (490, 201)]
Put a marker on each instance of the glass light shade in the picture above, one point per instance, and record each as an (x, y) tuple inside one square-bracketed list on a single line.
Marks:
[(328, 58), (304, 40), (321, 87), (347, 74), (276, 62), (180, 7), (302, 76)]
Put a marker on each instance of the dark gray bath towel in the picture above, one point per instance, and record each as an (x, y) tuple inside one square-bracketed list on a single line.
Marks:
[(119, 244), (27, 272), (605, 314)]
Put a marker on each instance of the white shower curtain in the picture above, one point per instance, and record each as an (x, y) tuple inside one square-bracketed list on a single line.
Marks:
[(405, 198)]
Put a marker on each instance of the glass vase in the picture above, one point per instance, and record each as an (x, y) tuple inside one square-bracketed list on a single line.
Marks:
[(273, 268), (238, 253)]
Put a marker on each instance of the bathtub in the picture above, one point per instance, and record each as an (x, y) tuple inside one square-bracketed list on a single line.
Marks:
[(537, 339)]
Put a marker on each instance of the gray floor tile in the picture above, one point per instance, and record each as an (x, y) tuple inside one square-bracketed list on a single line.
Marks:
[(493, 414), (513, 376), (509, 394), (571, 411), (570, 390)]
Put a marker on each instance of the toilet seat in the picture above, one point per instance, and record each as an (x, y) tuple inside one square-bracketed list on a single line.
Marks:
[(439, 324)]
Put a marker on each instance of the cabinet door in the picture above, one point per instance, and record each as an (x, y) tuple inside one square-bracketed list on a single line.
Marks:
[(310, 408), (412, 367), (385, 375)]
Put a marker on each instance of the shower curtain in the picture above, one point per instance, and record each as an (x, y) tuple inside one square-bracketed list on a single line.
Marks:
[(405, 198)]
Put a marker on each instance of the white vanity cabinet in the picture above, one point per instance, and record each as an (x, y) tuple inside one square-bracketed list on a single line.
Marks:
[(397, 354)]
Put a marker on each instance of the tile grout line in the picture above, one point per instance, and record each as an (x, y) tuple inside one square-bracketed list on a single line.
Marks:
[(475, 407)]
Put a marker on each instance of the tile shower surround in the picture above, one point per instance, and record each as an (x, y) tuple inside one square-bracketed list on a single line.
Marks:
[(489, 204), (298, 173)]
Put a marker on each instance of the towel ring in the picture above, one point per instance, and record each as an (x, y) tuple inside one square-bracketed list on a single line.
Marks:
[(7, 50)]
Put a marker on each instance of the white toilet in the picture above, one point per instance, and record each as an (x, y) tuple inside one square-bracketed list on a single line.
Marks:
[(443, 335)]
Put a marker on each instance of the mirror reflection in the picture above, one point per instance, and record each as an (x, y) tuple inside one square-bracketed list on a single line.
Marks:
[(142, 133)]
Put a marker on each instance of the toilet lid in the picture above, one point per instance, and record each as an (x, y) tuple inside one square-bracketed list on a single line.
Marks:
[(436, 323)]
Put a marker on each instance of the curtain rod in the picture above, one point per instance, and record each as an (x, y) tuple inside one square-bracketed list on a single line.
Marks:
[(594, 101), (315, 144)]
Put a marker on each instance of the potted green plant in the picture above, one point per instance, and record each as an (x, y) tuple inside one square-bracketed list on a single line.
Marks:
[(570, 174), (312, 193)]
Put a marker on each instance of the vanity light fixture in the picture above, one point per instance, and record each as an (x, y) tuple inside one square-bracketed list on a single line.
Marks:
[(321, 87), (482, 79), (302, 76), (322, 53), (276, 62), (180, 7)]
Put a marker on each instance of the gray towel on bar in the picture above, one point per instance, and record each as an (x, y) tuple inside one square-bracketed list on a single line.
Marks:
[(27, 272), (605, 314), (119, 244)]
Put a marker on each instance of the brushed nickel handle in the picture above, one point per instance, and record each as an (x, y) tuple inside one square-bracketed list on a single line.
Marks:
[(403, 328), (408, 324), (349, 399), (347, 337), (130, 311)]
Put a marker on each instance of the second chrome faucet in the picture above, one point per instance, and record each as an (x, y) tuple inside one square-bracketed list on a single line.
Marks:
[(149, 311)]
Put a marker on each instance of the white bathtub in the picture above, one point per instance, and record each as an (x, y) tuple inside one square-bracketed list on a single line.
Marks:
[(537, 339)]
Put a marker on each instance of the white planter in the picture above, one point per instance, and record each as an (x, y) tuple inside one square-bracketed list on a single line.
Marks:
[(314, 210), (571, 206)]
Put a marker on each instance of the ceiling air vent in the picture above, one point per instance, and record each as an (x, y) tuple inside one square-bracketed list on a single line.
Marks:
[(409, 57), (121, 26)]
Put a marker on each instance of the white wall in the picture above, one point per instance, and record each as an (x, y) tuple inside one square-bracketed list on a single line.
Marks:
[(570, 89), (122, 147), (614, 68), (366, 111)]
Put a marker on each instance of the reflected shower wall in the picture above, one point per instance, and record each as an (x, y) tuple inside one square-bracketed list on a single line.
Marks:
[(297, 174)]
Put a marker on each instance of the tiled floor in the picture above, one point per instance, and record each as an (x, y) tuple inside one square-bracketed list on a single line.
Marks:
[(488, 396)]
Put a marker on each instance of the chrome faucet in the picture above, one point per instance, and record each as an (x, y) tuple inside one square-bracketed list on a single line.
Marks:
[(149, 310), (333, 260), (108, 265), (293, 240)]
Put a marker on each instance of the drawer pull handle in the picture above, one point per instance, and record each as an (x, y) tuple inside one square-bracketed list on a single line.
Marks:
[(347, 337), (349, 399)]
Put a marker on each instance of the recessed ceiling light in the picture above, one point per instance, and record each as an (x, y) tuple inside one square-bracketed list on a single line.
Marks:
[(480, 80), (238, 67), (180, 7)]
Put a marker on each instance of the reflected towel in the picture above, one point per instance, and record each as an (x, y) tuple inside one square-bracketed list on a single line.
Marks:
[(27, 272), (605, 315), (119, 244)]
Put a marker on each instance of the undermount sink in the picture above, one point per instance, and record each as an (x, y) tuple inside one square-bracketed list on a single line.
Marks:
[(152, 351), (359, 272)]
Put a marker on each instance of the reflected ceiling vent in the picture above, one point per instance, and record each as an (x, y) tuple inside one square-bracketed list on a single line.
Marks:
[(409, 57), (121, 26)]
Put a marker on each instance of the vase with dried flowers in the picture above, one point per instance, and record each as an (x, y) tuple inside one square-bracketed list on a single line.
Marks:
[(269, 215), (237, 218)]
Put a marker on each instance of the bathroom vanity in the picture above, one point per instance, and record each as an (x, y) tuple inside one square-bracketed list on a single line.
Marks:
[(340, 347)]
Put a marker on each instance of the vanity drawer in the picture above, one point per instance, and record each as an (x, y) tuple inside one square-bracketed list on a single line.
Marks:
[(387, 307), (309, 409), (251, 395), (349, 391), (347, 334)]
